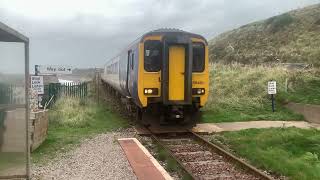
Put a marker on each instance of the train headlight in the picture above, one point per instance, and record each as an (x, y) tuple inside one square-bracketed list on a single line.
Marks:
[(151, 91), (198, 91)]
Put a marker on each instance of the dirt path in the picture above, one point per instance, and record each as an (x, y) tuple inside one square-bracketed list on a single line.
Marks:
[(97, 158)]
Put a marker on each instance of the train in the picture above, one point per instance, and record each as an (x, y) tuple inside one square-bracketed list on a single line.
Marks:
[(164, 73)]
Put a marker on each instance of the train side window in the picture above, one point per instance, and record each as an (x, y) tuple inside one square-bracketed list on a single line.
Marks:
[(198, 57), (132, 60), (129, 59), (152, 55)]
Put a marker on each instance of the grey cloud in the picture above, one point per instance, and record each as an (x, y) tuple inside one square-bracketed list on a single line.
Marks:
[(88, 40)]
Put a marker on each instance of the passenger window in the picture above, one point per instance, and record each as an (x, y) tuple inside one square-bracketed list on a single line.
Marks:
[(129, 59), (198, 57), (152, 55), (132, 61)]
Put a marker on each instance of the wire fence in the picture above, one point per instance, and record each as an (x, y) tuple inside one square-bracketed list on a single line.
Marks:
[(55, 91), (11, 94)]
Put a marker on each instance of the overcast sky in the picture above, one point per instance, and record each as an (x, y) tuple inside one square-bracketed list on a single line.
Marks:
[(87, 33)]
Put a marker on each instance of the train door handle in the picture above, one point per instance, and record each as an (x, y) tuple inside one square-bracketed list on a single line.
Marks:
[(182, 73), (159, 79)]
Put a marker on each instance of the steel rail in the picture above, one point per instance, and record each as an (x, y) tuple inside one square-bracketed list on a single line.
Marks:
[(214, 148), (231, 157), (185, 168)]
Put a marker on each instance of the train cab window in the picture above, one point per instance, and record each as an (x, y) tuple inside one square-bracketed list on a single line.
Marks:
[(152, 55), (198, 57)]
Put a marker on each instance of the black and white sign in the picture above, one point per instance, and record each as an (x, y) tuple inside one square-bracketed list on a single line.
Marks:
[(272, 87), (37, 84), (54, 69)]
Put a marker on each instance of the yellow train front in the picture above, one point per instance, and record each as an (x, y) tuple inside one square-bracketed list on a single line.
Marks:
[(164, 73)]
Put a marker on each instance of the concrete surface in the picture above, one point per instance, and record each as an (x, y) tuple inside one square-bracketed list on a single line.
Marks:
[(310, 112), (144, 165), (237, 126)]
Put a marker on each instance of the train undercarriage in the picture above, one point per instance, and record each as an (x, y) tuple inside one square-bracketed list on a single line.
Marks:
[(157, 111), (168, 114)]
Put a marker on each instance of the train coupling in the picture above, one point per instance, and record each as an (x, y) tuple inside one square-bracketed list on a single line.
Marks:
[(176, 113)]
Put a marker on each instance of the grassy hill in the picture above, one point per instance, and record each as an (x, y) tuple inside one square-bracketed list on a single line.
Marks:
[(293, 37), (239, 92)]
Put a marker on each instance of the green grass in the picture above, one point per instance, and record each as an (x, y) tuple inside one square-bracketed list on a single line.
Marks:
[(72, 120), (284, 151), (239, 93), (307, 92)]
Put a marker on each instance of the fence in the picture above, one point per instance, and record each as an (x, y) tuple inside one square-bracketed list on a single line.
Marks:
[(14, 94), (57, 90)]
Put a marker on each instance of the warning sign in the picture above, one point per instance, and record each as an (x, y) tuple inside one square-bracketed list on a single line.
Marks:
[(272, 87), (37, 84)]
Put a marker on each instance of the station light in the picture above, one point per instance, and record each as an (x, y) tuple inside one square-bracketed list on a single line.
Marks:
[(151, 91), (198, 91)]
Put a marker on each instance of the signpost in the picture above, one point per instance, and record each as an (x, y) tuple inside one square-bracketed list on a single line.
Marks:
[(53, 69), (37, 81), (37, 84), (38, 88), (272, 90)]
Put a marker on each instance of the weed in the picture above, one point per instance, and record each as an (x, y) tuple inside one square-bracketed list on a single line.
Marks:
[(171, 164)]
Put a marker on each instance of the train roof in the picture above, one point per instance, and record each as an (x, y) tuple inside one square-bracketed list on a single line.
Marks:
[(164, 31), (161, 31)]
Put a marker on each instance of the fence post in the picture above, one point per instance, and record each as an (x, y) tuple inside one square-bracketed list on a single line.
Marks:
[(81, 89), (72, 89), (86, 89), (64, 89), (68, 89)]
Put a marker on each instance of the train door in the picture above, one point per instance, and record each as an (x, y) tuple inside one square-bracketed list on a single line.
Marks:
[(176, 72), (130, 72)]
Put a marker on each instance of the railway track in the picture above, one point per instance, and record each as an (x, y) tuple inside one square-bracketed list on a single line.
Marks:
[(204, 160)]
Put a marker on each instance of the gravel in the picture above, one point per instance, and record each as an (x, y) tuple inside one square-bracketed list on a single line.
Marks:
[(98, 158)]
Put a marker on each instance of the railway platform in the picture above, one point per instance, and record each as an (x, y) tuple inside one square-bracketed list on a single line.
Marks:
[(144, 165)]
